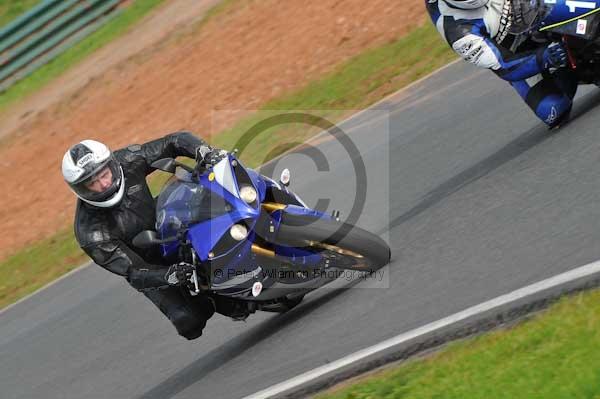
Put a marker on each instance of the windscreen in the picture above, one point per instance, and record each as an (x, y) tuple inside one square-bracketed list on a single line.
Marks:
[(183, 203)]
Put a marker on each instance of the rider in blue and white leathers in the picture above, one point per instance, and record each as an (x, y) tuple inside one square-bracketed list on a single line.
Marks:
[(478, 30)]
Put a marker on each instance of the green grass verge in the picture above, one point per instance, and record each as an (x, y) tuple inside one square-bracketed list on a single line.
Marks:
[(10, 9), (108, 32), (37, 265), (356, 84), (554, 355)]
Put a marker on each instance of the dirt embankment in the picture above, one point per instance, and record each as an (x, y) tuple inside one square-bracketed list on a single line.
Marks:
[(238, 61)]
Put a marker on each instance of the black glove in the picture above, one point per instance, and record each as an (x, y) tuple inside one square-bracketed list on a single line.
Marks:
[(145, 279), (555, 56), (179, 274), (209, 155)]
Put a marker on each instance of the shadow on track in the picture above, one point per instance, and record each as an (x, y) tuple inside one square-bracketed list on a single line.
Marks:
[(512, 150), (236, 346)]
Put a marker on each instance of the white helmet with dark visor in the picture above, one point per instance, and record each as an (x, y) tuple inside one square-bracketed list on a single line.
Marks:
[(88, 161)]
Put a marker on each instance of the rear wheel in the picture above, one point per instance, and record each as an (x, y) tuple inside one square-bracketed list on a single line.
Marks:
[(343, 245)]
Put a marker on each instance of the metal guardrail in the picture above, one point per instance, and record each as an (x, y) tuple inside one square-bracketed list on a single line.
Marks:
[(23, 19), (45, 31), (32, 24)]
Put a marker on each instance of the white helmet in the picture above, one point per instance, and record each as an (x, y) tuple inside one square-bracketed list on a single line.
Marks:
[(86, 160), (466, 4)]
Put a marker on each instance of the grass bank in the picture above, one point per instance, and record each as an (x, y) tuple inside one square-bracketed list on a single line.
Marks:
[(10, 9), (356, 84), (36, 266), (554, 355), (114, 28)]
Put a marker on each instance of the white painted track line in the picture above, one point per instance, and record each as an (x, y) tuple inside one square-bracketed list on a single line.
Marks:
[(535, 288)]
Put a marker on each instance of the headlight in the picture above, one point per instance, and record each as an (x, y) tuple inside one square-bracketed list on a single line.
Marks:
[(248, 194), (238, 232)]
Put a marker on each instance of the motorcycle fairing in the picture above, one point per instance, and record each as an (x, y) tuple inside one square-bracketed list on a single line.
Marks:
[(298, 255), (205, 235), (568, 11), (273, 185), (585, 28), (259, 183), (298, 210)]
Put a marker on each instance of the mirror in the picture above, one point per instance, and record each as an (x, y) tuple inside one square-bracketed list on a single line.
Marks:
[(169, 165)]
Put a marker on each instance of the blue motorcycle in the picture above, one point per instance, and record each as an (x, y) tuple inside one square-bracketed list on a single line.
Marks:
[(575, 23), (251, 239)]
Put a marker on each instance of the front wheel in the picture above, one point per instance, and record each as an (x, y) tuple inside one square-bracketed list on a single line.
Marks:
[(343, 245)]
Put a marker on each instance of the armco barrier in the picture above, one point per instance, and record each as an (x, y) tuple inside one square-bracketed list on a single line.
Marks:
[(24, 19), (45, 31)]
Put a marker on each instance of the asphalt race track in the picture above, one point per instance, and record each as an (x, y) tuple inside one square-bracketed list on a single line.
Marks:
[(475, 196)]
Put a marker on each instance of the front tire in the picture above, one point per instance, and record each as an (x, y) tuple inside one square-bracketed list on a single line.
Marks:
[(349, 246)]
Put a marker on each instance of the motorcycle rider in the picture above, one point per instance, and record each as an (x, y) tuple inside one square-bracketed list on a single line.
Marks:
[(115, 205), (480, 32)]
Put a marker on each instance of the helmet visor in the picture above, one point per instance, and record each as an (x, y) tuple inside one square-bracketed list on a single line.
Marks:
[(101, 183), (527, 15)]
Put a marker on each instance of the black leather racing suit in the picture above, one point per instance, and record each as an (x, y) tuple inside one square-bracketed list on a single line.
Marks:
[(105, 234)]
